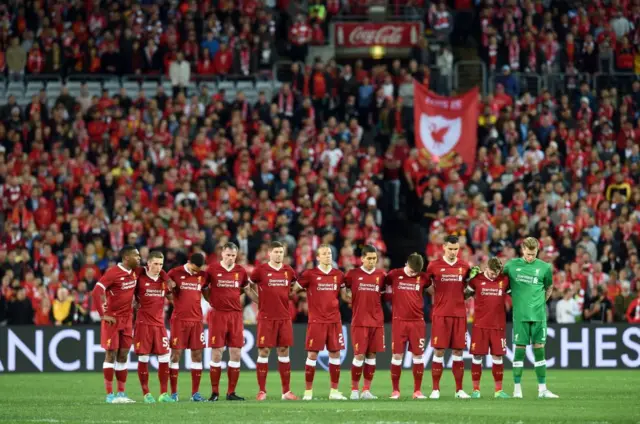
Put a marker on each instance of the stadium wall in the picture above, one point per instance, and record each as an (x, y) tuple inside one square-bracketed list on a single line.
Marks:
[(68, 349)]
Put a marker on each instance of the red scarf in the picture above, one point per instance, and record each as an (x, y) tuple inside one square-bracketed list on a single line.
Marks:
[(571, 52), (514, 56), (245, 61), (550, 50), (288, 108), (509, 28)]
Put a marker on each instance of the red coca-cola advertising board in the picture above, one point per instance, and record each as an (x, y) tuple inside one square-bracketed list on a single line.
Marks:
[(365, 34)]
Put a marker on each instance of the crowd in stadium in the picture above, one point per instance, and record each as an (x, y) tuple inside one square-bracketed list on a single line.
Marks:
[(322, 159)]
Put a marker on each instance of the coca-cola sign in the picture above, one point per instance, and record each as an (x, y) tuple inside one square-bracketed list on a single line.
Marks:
[(391, 34)]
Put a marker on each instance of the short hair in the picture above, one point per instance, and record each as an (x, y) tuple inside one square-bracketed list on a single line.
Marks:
[(127, 250), (451, 239), (275, 245), (530, 243), (368, 249), (415, 262), (495, 264), (156, 254), (197, 259), (324, 246), (229, 245)]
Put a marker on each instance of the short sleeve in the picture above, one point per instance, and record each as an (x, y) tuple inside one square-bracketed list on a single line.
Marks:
[(294, 276), (304, 279), (256, 275), (429, 273), (342, 284), (245, 278), (427, 281), (472, 285), (106, 280), (388, 281), (507, 286), (164, 276)]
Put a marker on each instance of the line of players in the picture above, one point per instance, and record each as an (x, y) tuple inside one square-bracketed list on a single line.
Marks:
[(447, 279)]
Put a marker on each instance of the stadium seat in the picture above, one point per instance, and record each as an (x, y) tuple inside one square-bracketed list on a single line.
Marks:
[(244, 85), (226, 85)]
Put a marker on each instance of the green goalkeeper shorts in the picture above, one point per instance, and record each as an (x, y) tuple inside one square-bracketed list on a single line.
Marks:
[(529, 332)]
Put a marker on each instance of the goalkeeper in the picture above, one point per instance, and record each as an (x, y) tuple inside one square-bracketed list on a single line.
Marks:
[(531, 282)]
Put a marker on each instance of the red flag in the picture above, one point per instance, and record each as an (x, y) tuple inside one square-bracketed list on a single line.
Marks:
[(444, 126)]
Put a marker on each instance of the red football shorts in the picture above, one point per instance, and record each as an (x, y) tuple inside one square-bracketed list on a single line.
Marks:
[(226, 329), (449, 332), (412, 332), (484, 338), (367, 340), (275, 333), (187, 335), (150, 339), (117, 336), (320, 335)]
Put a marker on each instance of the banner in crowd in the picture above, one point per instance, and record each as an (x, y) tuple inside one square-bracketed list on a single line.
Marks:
[(446, 125), (368, 34), (51, 349)]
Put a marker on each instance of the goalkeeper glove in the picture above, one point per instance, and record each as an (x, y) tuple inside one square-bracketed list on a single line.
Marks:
[(473, 272)]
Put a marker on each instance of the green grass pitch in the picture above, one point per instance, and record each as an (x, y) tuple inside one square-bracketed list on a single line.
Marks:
[(585, 397)]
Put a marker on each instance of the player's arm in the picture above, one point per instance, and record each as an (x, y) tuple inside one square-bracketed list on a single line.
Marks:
[(248, 289), (429, 275), (548, 283), (345, 291), (99, 295), (470, 290), (471, 273), (297, 285)]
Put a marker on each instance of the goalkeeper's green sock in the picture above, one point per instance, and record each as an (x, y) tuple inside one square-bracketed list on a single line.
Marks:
[(518, 366), (541, 368)]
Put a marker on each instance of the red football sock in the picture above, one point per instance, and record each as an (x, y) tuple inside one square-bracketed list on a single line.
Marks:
[(356, 373), (369, 371), (214, 376), (196, 375), (233, 374), (436, 372), (261, 371), (143, 376), (458, 371), (396, 370), (309, 374), (334, 372), (418, 372), (107, 372), (476, 374), (285, 374), (121, 376), (173, 377), (163, 376), (498, 371)]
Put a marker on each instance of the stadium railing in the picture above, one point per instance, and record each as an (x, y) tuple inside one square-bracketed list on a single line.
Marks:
[(467, 67)]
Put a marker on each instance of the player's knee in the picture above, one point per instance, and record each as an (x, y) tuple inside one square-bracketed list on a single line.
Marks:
[(397, 357), (122, 357), (477, 359), (359, 357), (196, 355), (418, 359), (164, 358), (235, 353), (175, 355), (264, 352), (439, 353), (283, 351), (496, 359), (216, 355), (312, 355), (110, 356), (456, 352), (334, 354), (538, 345), (143, 358)]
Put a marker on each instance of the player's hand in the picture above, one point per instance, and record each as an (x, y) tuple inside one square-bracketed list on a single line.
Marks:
[(108, 319), (172, 284)]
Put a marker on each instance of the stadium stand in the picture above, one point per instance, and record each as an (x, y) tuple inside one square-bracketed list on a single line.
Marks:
[(185, 125)]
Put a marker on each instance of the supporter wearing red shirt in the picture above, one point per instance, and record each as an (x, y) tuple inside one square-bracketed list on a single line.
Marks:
[(223, 60)]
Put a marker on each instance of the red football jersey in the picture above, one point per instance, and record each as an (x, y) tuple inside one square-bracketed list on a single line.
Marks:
[(150, 294), (187, 293), (119, 285), (225, 287), (448, 284), (274, 286), (407, 297), (366, 297), (490, 297), (323, 290)]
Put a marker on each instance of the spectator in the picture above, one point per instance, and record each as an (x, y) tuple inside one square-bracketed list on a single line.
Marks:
[(598, 307), (567, 308), (420, 52), (299, 38), (633, 312), (16, 58), (63, 308), (180, 74), (620, 24), (623, 301), (445, 69), (19, 310)]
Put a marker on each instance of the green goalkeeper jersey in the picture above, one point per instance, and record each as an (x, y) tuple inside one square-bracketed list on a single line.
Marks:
[(528, 283)]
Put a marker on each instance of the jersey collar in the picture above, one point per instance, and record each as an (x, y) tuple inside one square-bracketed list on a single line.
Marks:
[(121, 266), (274, 268), (146, 271), (450, 263), (325, 273), (187, 270), (227, 269), (368, 272)]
